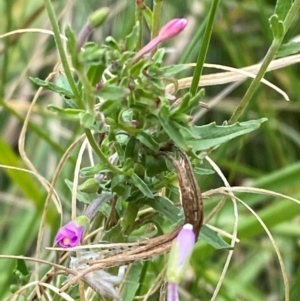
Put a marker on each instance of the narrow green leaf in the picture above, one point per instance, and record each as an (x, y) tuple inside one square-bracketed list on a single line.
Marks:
[(203, 171), (212, 238), (24, 181), (110, 107), (147, 140), (87, 119), (147, 13), (158, 56), (183, 105), (173, 69), (95, 73), (132, 282), (142, 186), (132, 149), (210, 135), (72, 47), (282, 8), (132, 39), (68, 113), (167, 208), (171, 128), (51, 86), (21, 266), (93, 170), (112, 92), (288, 49), (155, 165)]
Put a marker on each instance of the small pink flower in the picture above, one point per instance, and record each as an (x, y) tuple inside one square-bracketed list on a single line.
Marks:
[(168, 31), (69, 235), (181, 251), (172, 29)]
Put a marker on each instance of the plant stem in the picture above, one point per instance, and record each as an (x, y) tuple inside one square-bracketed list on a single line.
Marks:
[(267, 60), (62, 54), (140, 5), (204, 47), (88, 90), (156, 21), (100, 154)]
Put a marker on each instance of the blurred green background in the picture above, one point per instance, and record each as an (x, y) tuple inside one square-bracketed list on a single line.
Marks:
[(267, 158)]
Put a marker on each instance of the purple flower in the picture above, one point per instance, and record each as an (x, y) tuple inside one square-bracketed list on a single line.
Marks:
[(172, 294), (70, 235), (181, 251), (168, 31)]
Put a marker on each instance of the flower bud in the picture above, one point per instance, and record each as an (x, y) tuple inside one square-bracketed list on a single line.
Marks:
[(172, 29), (181, 251), (97, 18), (168, 31)]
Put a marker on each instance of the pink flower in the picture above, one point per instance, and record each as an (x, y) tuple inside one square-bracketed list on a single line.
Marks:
[(168, 31), (172, 29), (181, 251), (69, 235)]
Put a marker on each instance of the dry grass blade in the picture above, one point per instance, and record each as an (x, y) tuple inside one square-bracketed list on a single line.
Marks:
[(234, 76), (235, 228)]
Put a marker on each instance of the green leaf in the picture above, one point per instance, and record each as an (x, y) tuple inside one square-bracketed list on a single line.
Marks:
[(212, 238), (62, 81), (165, 207), (52, 87), (21, 266), (210, 135), (83, 197), (147, 140), (173, 69), (132, 149), (93, 170), (93, 54), (114, 234), (110, 107), (158, 56), (87, 119), (94, 74), (171, 128), (112, 92), (24, 181), (132, 282), (68, 113), (155, 165), (203, 171), (112, 43), (277, 26), (72, 46), (288, 49), (142, 186), (194, 102), (183, 106), (147, 13), (282, 8), (132, 39)]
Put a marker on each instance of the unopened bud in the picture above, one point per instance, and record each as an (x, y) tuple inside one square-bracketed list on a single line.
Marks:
[(98, 17)]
